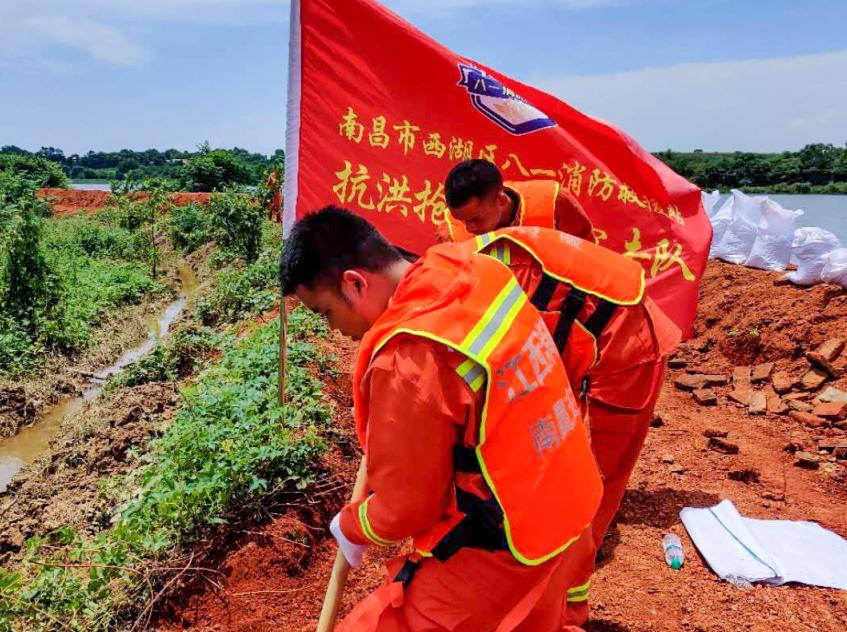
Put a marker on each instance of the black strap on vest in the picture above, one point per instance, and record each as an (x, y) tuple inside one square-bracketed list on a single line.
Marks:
[(407, 572), (597, 322), (481, 528), (544, 292), (570, 309)]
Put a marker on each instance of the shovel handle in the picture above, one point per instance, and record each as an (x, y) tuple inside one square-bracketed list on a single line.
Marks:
[(340, 570)]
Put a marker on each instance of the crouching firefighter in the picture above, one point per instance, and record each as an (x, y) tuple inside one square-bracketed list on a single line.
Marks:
[(614, 342), (473, 439)]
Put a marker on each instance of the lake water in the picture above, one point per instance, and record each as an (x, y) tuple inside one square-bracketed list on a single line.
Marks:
[(826, 211), (91, 186)]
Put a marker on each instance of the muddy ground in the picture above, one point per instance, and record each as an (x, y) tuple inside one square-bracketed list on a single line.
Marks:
[(744, 319)]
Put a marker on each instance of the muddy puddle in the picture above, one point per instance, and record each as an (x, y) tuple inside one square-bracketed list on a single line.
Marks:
[(30, 442)]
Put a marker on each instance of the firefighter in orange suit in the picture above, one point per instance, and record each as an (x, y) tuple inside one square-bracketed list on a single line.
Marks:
[(473, 439), (479, 201), (619, 386)]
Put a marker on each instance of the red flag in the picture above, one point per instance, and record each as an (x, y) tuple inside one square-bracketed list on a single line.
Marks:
[(378, 113)]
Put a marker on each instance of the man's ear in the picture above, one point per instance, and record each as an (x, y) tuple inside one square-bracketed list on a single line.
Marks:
[(353, 283)]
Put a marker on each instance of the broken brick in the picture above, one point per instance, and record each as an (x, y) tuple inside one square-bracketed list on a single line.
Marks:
[(762, 372), (677, 363), (776, 406), (812, 379), (831, 410), (807, 419), (832, 394), (741, 395), (705, 397), (822, 363), (831, 349), (724, 447), (782, 382), (712, 432), (716, 380), (758, 403), (741, 375), (690, 382), (800, 395), (801, 406), (807, 460)]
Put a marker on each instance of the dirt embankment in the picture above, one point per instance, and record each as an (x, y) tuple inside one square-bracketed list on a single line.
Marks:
[(70, 201), (744, 320)]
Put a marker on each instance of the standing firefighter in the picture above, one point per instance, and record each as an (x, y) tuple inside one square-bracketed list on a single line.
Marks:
[(613, 345), (479, 201), (473, 440)]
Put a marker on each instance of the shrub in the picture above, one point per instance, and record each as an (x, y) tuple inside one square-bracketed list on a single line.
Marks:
[(37, 171), (237, 221), (214, 170), (190, 227), (241, 292)]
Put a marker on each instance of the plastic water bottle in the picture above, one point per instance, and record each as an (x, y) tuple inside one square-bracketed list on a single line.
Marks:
[(674, 555)]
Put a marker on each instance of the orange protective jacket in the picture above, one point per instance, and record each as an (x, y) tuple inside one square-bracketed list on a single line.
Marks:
[(617, 337), (542, 203), (529, 421)]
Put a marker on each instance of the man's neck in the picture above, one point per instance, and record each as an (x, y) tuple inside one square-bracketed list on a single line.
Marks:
[(511, 212)]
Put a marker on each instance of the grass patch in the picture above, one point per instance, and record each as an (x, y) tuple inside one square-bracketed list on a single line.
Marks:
[(229, 448)]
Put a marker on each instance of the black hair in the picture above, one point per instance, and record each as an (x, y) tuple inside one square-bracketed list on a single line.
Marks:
[(323, 244), (471, 178)]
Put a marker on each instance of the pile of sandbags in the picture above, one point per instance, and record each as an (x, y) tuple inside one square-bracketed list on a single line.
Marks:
[(758, 232)]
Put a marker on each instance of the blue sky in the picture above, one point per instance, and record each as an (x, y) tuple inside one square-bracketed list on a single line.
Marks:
[(758, 75)]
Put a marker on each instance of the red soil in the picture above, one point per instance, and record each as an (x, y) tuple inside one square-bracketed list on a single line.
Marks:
[(743, 319), (70, 201)]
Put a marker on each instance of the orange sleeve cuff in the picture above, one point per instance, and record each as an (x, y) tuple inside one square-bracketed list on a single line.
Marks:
[(350, 525)]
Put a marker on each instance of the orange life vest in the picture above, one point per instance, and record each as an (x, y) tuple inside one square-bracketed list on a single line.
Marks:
[(532, 445), (536, 207), (581, 287)]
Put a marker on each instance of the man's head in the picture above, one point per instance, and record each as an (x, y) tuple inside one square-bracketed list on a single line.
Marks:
[(340, 266), (475, 195)]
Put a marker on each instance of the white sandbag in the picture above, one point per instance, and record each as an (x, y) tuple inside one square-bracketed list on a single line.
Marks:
[(720, 220), (775, 233), (740, 234), (710, 200), (810, 245), (835, 267)]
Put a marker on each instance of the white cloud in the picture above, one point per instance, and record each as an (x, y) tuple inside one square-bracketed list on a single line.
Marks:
[(99, 27), (756, 105), (101, 41)]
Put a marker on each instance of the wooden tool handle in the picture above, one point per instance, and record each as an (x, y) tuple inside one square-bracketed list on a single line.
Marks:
[(340, 570)]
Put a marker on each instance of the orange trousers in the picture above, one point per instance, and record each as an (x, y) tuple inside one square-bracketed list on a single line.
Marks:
[(473, 591), (617, 438)]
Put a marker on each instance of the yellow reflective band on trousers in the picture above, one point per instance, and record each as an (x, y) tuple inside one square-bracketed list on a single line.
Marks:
[(366, 526), (579, 593)]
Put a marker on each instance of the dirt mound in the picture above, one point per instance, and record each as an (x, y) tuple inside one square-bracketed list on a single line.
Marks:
[(749, 316), (63, 487), (71, 201), (634, 590)]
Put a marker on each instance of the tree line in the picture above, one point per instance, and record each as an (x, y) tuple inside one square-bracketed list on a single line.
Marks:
[(817, 168), (205, 169)]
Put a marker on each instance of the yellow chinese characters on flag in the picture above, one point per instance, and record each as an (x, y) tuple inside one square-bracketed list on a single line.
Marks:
[(379, 113)]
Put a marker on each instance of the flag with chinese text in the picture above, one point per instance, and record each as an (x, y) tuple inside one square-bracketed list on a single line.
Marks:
[(378, 113)]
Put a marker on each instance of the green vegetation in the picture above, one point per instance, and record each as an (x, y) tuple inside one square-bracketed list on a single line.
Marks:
[(817, 168), (230, 448), (33, 170), (205, 169), (60, 277)]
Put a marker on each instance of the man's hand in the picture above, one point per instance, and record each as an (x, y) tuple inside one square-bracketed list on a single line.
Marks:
[(352, 552)]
